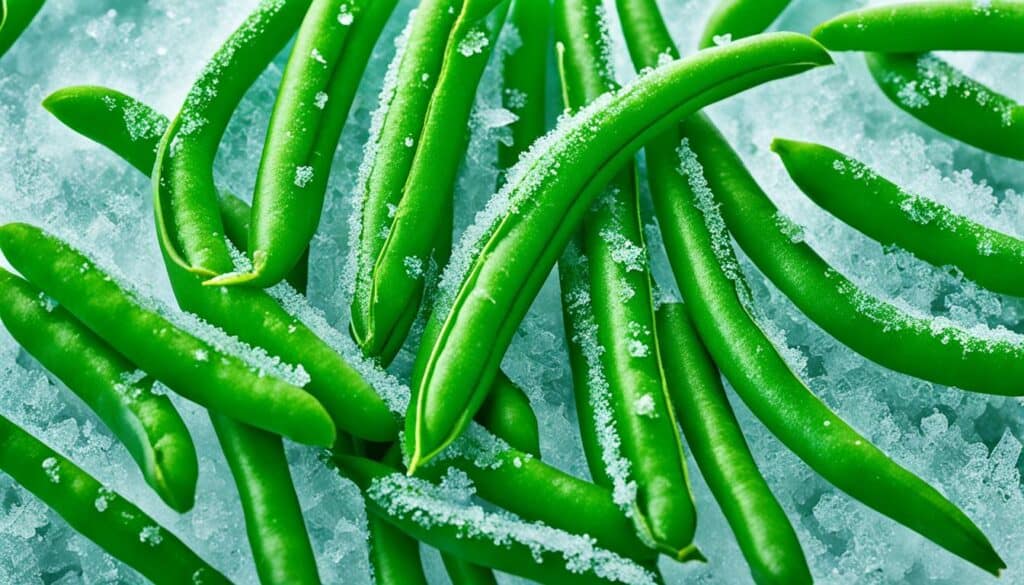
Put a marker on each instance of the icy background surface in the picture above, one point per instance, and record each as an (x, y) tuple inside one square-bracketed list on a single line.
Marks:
[(965, 444)]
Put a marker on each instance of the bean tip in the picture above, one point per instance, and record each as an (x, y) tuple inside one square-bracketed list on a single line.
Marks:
[(230, 278)]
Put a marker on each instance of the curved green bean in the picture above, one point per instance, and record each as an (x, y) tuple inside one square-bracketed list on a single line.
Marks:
[(324, 70), (938, 94), (191, 367), (120, 395), (507, 413), (504, 260), (112, 119), (412, 158), (929, 25), (435, 516), (736, 19), (15, 16), (709, 278), (763, 531), (524, 77), (101, 515), (185, 204), (610, 324), (870, 203)]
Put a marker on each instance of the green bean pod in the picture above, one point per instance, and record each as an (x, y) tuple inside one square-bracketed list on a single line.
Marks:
[(736, 19), (709, 277), (394, 556), (235, 214), (496, 540), (185, 206), (927, 25), (129, 128), (507, 413), (764, 533), (505, 259), (524, 77), (101, 515), (941, 96), (610, 320), (412, 166), (122, 397), (15, 16), (190, 366), (273, 517), (331, 51), (870, 203)]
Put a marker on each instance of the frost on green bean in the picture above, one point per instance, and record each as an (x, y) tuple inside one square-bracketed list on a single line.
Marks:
[(578, 305), (450, 505), (142, 123)]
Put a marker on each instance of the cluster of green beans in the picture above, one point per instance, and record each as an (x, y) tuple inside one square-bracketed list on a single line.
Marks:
[(646, 374)]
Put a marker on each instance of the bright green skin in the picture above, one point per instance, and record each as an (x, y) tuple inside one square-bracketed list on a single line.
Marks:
[(185, 195), (649, 440), (221, 382), (464, 573), (930, 25), (146, 423), (524, 75), (186, 200), (273, 517), (884, 212), (957, 106), (513, 558), (762, 530), (15, 16), (133, 130), (761, 377), (395, 556), (508, 414), (417, 181), (304, 132), (740, 18), (117, 529), (471, 327)]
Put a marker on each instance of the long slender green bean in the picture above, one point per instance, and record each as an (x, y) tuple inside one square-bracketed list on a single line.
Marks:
[(524, 77), (190, 366), (129, 128), (710, 279), (736, 19), (15, 16), (505, 258), (927, 25), (326, 65), (120, 395), (611, 329), (412, 158), (765, 535), (763, 532), (442, 518), (941, 96), (857, 195), (101, 515)]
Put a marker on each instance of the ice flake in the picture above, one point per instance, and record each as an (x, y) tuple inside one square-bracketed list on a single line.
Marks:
[(303, 176), (473, 43)]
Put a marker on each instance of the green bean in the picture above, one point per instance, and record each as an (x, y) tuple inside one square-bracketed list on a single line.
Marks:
[(507, 413), (488, 288), (437, 517), (765, 535), (394, 556), (101, 515), (710, 279), (610, 327), (938, 94), (113, 119), (411, 164), (465, 573), (191, 367), (235, 214), (15, 16), (933, 25), (857, 195), (736, 19), (120, 395), (326, 65), (185, 196), (524, 77)]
